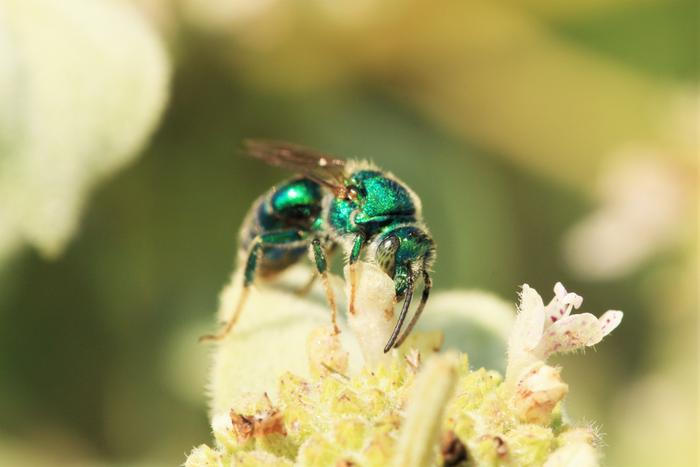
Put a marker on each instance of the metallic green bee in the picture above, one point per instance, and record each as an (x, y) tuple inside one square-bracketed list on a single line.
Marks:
[(335, 202)]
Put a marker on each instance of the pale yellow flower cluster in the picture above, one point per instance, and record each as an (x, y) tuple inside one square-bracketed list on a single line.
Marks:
[(412, 407)]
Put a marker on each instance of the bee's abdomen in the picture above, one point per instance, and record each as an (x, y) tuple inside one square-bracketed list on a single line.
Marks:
[(295, 204)]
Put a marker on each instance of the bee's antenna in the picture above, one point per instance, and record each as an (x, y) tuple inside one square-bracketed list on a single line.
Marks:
[(402, 316), (427, 285)]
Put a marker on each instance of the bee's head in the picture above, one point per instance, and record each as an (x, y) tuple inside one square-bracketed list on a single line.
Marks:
[(406, 253), (403, 251)]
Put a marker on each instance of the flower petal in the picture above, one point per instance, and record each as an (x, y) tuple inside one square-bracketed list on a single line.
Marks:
[(561, 305), (571, 333), (559, 290), (529, 324), (609, 321), (526, 336)]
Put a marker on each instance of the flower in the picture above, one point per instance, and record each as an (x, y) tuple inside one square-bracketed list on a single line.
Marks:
[(631, 225), (272, 335), (440, 413), (541, 331), (413, 406)]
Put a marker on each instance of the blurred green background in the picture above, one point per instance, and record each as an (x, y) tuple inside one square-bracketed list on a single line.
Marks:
[(549, 141)]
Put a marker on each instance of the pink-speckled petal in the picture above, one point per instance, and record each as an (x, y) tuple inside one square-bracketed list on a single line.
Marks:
[(572, 299), (609, 321), (553, 312), (572, 333), (561, 305), (559, 290)]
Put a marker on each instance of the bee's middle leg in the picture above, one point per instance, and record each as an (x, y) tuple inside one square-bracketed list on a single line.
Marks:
[(357, 246), (322, 268)]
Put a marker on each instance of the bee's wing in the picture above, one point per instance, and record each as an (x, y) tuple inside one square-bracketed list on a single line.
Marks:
[(322, 168)]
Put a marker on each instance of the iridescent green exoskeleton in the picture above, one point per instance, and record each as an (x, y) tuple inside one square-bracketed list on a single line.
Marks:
[(332, 203)]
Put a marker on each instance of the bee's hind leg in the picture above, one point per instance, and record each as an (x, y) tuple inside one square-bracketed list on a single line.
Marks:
[(232, 320), (322, 268), (278, 238), (249, 275), (304, 290)]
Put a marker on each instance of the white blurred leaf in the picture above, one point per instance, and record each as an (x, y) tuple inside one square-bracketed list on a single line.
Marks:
[(82, 85)]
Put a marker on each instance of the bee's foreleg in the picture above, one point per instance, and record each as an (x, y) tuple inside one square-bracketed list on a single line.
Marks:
[(352, 263), (322, 268), (402, 315), (275, 238), (427, 285)]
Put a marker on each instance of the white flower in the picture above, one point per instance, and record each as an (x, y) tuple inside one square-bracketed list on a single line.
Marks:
[(631, 225), (541, 331)]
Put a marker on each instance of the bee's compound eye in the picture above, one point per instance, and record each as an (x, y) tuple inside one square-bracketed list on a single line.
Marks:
[(390, 243), (386, 254)]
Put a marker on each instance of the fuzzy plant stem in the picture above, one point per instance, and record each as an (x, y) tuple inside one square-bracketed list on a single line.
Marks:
[(421, 430)]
